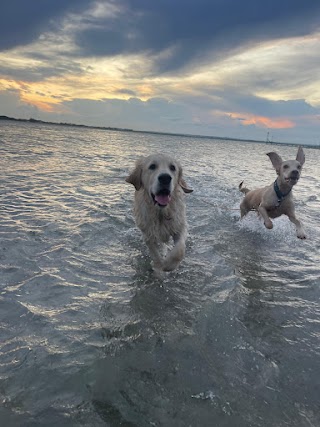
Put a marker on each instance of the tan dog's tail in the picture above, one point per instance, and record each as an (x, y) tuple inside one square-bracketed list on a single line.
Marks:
[(243, 190)]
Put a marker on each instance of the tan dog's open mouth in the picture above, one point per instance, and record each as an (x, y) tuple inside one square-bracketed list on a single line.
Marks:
[(292, 180)]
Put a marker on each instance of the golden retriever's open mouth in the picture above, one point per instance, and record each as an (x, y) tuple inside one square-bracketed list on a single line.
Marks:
[(162, 198)]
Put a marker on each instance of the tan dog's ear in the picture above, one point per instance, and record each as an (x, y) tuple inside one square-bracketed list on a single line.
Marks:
[(184, 186), (300, 156), (276, 161), (135, 177)]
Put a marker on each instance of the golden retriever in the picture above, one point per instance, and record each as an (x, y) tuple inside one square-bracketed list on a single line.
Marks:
[(159, 207)]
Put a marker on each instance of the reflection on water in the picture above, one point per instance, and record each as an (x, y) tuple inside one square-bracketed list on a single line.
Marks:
[(89, 336)]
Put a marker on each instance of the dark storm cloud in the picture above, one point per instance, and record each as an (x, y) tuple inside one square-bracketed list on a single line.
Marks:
[(23, 21), (175, 33), (194, 29)]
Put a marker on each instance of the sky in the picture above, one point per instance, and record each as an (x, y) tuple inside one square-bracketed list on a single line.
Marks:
[(242, 69)]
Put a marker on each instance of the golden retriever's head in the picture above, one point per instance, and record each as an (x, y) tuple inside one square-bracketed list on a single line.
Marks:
[(159, 175)]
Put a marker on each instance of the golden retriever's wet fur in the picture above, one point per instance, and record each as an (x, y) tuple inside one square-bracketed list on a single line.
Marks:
[(159, 207)]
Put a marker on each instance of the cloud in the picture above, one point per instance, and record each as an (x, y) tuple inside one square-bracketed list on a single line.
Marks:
[(12, 106), (158, 114), (132, 113), (38, 72), (174, 34), (207, 67), (177, 33), (155, 37), (262, 121), (246, 103), (22, 22), (283, 69), (124, 91)]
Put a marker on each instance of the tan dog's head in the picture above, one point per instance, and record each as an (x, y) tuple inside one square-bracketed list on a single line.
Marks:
[(289, 171), (159, 175)]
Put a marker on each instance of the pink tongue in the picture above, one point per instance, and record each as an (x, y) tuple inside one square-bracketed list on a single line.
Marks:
[(162, 199)]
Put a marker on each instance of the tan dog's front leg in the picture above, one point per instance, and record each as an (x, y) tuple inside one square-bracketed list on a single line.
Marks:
[(299, 227), (176, 255), (267, 221)]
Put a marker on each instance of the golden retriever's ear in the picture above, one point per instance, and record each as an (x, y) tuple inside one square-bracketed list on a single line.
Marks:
[(135, 177), (182, 182), (184, 186)]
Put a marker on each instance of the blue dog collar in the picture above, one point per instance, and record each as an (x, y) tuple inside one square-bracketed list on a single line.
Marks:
[(279, 194)]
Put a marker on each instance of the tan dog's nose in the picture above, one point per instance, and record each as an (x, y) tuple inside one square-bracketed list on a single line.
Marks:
[(294, 174)]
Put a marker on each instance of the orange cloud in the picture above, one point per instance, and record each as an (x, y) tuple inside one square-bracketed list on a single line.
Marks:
[(261, 121), (29, 94), (49, 95), (40, 104)]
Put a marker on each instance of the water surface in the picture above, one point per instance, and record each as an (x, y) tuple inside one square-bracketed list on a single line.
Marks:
[(89, 337)]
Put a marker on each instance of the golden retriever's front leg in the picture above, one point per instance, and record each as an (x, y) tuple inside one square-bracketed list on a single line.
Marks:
[(155, 253), (176, 255)]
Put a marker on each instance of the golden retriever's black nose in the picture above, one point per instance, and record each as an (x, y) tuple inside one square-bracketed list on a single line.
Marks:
[(164, 179)]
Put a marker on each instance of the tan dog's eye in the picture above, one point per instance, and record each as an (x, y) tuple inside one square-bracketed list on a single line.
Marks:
[(299, 166), (285, 166), (152, 166), (172, 168)]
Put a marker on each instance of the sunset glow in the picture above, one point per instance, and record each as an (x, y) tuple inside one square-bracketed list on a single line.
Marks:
[(255, 83), (278, 123)]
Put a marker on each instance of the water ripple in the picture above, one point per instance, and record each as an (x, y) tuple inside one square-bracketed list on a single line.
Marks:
[(89, 336)]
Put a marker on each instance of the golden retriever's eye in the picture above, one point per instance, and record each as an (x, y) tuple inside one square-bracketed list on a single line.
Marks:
[(152, 166), (172, 168)]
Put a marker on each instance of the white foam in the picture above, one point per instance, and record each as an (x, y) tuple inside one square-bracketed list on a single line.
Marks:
[(282, 229), (204, 395)]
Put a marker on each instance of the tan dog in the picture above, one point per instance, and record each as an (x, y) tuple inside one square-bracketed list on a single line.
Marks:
[(159, 207), (276, 199)]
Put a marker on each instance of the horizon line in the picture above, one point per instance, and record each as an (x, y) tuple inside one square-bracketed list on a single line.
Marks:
[(117, 129)]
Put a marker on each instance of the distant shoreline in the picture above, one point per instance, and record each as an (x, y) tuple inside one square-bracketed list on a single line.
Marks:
[(36, 121)]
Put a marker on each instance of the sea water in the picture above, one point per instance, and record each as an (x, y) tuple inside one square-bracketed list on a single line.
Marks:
[(90, 337)]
